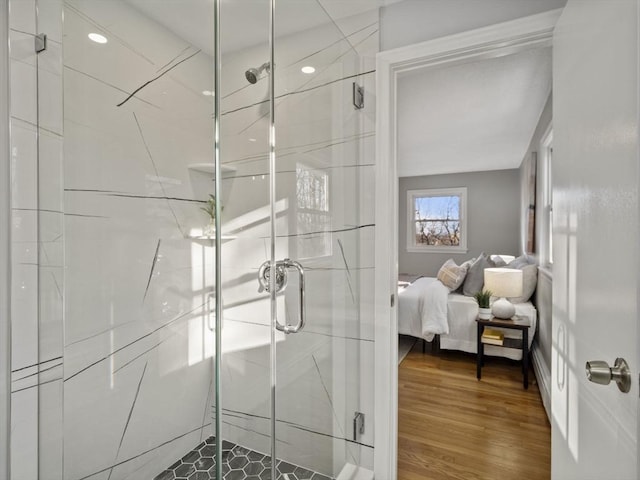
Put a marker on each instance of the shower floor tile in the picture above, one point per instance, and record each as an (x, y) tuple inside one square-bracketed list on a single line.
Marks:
[(239, 463)]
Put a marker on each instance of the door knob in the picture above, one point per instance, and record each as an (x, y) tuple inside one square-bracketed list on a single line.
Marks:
[(599, 372)]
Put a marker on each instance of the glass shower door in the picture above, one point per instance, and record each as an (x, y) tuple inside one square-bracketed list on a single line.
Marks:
[(292, 144)]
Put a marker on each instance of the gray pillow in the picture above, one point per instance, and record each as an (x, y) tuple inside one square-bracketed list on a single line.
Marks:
[(499, 261), (521, 261), (529, 282), (475, 276)]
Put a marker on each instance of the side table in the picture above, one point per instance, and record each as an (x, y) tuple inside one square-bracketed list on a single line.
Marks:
[(515, 323)]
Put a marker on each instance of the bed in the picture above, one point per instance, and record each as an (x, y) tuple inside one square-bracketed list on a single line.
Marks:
[(426, 309)]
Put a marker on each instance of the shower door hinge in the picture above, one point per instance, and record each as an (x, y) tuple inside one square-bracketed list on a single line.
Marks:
[(358, 96), (393, 300), (41, 42), (358, 425)]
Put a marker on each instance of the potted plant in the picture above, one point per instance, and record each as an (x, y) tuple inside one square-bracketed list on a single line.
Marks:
[(210, 209), (483, 297)]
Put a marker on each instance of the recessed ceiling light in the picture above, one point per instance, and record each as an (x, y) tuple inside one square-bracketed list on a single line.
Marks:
[(96, 37), (207, 93), (252, 139), (308, 69)]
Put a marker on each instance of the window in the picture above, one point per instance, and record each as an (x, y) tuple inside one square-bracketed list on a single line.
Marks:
[(436, 220), (547, 198), (313, 214)]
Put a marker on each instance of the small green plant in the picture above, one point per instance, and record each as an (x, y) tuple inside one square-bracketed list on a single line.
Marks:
[(210, 208), (483, 298)]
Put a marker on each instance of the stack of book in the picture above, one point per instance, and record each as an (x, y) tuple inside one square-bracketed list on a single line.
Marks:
[(492, 337)]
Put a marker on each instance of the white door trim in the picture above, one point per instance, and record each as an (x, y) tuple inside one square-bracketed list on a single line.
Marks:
[(493, 41)]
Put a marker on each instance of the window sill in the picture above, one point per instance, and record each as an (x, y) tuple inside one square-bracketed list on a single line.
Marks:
[(444, 250)]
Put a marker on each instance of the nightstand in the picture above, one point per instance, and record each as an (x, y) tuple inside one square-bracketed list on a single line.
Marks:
[(515, 323)]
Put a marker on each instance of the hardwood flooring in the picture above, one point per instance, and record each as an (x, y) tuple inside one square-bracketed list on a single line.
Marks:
[(452, 426)]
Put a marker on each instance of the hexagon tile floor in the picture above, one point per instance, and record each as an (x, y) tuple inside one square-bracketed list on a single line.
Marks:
[(240, 463)]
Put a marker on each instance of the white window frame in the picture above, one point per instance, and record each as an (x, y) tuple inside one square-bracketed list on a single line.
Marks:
[(546, 190), (437, 192)]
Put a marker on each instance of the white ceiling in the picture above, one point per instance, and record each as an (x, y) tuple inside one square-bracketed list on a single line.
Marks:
[(473, 116), (245, 22)]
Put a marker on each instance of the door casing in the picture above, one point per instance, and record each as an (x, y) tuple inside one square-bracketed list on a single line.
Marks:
[(484, 43)]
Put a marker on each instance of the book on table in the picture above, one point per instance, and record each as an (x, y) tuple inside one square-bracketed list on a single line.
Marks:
[(492, 337)]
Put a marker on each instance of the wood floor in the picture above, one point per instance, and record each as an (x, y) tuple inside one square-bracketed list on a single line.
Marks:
[(452, 426)]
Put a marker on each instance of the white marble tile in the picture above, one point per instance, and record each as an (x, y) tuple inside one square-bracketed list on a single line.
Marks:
[(152, 463), (22, 15), (23, 91), (50, 19), (163, 395), (93, 406), (50, 60), (50, 113), (50, 167), (50, 429), (21, 47), (24, 183), (24, 429), (24, 331)]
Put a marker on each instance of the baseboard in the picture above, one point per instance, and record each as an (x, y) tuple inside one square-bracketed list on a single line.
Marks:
[(543, 376), (353, 472)]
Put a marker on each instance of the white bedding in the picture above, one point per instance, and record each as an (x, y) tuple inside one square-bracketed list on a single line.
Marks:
[(423, 322), (417, 319)]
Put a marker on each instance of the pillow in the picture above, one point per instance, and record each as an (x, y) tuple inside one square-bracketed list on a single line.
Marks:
[(502, 258), (498, 261), (475, 277), (521, 261), (529, 282), (452, 275)]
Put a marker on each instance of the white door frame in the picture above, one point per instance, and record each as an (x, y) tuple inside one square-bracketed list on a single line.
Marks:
[(489, 42)]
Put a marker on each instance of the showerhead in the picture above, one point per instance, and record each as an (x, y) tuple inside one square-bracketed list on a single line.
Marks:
[(253, 74)]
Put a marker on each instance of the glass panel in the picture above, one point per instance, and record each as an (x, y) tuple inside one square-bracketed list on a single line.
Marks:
[(138, 127), (320, 175), (244, 143)]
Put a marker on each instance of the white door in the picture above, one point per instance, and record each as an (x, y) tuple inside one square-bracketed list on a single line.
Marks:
[(596, 241)]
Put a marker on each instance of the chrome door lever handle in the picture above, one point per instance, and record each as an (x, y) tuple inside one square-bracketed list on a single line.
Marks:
[(599, 372)]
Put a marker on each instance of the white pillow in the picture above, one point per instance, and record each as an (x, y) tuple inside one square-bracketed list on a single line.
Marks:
[(529, 282)]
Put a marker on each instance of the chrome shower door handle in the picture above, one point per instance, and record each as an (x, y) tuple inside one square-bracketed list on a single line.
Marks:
[(288, 263), (282, 267)]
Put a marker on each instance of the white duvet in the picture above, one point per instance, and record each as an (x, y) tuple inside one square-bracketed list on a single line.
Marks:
[(422, 306), (425, 308)]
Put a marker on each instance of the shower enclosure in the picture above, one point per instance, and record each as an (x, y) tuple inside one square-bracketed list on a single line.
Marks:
[(167, 157)]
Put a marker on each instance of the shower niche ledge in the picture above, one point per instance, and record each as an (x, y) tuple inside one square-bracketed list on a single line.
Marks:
[(209, 240), (209, 169)]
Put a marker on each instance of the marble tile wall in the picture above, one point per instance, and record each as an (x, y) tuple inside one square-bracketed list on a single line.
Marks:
[(116, 214)]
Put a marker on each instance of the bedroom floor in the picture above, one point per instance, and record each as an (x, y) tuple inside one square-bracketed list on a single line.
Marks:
[(452, 426)]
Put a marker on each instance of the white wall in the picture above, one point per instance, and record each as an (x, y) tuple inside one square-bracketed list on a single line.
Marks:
[(493, 218), (414, 21)]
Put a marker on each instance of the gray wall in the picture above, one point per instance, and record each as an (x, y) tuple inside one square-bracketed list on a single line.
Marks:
[(543, 298), (414, 21), (493, 219)]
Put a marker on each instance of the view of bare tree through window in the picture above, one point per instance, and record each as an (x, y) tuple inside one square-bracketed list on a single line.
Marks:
[(313, 215), (437, 220)]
